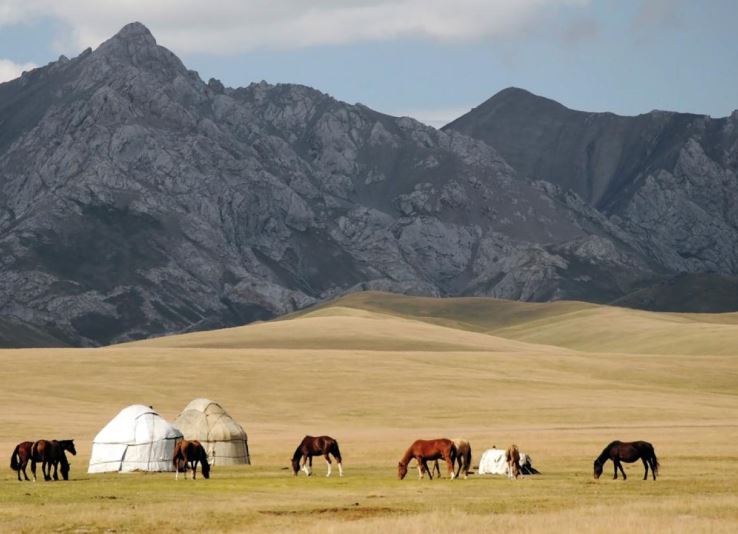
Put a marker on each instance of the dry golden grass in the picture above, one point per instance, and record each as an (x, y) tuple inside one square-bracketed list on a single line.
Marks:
[(376, 372)]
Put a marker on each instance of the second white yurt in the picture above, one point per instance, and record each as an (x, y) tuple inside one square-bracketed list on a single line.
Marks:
[(223, 438), (137, 439)]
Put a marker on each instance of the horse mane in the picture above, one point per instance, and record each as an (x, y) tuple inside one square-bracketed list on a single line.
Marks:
[(298, 453), (407, 456), (335, 450), (605, 454)]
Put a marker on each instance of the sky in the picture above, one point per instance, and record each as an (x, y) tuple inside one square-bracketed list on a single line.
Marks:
[(429, 59)]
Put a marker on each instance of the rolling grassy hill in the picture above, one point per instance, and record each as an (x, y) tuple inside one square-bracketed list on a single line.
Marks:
[(378, 371)]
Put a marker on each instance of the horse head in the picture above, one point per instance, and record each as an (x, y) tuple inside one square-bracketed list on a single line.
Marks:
[(401, 470), (205, 466), (68, 445), (597, 469), (295, 465)]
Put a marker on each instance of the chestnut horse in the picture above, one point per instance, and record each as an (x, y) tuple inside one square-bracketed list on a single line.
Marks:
[(463, 458), (192, 453), (316, 446), (619, 451), (423, 450), (51, 454), (512, 455), (20, 458)]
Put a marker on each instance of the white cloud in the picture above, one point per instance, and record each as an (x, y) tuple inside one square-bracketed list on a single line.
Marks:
[(10, 70), (228, 26)]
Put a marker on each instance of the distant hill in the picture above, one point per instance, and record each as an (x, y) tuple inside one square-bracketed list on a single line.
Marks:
[(389, 322)]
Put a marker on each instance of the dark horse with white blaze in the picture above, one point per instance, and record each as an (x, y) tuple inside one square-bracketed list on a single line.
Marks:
[(423, 451), (51, 454), (316, 446), (629, 452), (190, 452), (20, 458)]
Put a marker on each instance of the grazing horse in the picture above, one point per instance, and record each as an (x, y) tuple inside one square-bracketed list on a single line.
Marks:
[(619, 451), (463, 458), (316, 446), (51, 454), (423, 450), (512, 455), (191, 452), (20, 458)]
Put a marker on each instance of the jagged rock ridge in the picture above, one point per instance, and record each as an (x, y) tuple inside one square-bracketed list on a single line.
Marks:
[(138, 200)]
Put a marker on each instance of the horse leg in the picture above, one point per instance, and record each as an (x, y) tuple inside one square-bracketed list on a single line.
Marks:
[(420, 470), (425, 467), (56, 474), (653, 467), (450, 465), (33, 469), (310, 465), (615, 465), (620, 465), (194, 470), (645, 466), (340, 467), (328, 461), (436, 469)]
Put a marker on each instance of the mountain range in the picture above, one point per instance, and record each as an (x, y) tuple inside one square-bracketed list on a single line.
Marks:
[(138, 200)]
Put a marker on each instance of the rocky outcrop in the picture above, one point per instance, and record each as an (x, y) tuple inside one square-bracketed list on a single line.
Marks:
[(668, 181), (138, 200)]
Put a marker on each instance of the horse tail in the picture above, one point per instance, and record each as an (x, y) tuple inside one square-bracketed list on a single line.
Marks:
[(204, 465), (655, 465), (468, 457), (15, 459), (337, 452)]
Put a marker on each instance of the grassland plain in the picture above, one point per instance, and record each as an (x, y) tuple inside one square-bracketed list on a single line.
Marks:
[(377, 371)]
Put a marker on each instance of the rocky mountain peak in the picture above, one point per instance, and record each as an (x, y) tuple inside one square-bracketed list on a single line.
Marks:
[(135, 32), (134, 45)]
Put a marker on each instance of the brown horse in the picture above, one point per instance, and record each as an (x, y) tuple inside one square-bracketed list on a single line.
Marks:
[(629, 452), (20, 458), (463, 458), (512, 455), (51, 454), (316, 446), (192, 453), (423, 450)]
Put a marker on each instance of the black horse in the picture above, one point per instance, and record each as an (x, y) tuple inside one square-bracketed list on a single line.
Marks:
[(619, 451), (51, 454)]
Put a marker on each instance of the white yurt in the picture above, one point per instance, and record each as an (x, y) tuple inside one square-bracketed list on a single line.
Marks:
[(223, 438), (493, 462), (137, 439)]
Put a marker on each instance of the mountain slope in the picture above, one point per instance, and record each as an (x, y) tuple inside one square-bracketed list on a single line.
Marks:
[(138, 200), (667, 179)]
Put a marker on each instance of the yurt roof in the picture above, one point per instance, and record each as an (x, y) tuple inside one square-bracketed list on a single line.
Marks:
[(135, 424), (206, 420)]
